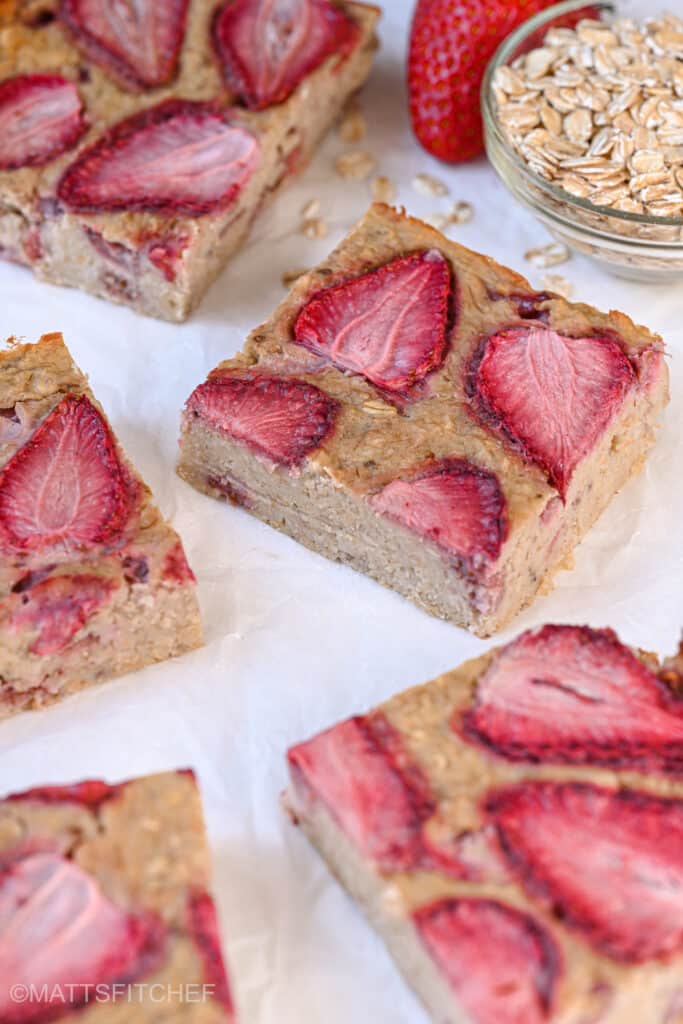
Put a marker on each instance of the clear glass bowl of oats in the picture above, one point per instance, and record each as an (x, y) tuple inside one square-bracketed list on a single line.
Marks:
[(583, 118)]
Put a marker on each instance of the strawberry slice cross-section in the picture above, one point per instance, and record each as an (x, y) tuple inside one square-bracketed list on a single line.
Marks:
[(456, 505), (281, 418), (138, 41), (67, 486), (574, 695), (501, 964), (176, 158), (60, 936), (41, 116), (389, 325), (550, 395), (608, 864), (377, 794), (267, 47), (59, 607)]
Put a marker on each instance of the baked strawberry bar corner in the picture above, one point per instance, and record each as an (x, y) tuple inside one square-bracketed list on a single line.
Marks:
[(514, 830), (106, 906), (421, 413), (93, 581), (138, 142)]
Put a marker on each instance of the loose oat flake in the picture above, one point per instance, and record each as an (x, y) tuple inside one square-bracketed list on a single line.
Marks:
[(559, 284), (428, 185), (550, 255), (356, 165), (598, 111)]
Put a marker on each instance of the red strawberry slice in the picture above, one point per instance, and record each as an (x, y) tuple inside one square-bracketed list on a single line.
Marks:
[(389, 325), (58, 608), (456, 505), (178, 157), (41, 116), (281, 418), (573, 695), (203, 927), (550, 395), (609, 864), (66, 486), (451, 44), (138, 41), (60, 936), (266, 47), (92, 793), (380, 802), (501, 964)]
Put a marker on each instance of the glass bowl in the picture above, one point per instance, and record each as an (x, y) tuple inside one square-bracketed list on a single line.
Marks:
[(631, 245)]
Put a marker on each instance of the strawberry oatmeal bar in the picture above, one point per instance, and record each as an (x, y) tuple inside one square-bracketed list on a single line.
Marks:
[(106, 908), (514, 830), (93, 581), (420, 413), (139, 141)]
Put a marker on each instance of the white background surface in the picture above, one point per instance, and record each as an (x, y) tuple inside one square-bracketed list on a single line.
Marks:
[(295, 643)]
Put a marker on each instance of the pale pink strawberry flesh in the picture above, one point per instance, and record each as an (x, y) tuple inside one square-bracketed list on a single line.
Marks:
[(178, 157), (58, 929), (204, 930), (378, 795), (390, 325), (267, 47), (138, 42), (608, 864), (281, 418), (66, 486), (58, 608), (41, 116), (573, 695), (500, 963), (550, 395), (456, 505)]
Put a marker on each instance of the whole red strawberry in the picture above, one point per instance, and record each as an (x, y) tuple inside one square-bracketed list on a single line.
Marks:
[(451, 43)]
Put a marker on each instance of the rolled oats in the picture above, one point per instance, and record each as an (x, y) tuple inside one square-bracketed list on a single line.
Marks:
[(428, 185), (383, 190), (356, 165), (550, 255), (598, 111)]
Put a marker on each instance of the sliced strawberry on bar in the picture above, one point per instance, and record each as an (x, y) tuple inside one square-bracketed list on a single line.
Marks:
[(456, 505), (177, 158), (267, 47), (279, 417), (379, 802), (608, 864), (58, 608), (573, 695), (60, 936), (41, 116), (139, 42), (500, 963), (389, 325), (203, 927), (552, 396), (66, 486), (92, 793)]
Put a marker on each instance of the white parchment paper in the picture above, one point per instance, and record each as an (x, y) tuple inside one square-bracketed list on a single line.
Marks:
[(295, 643)]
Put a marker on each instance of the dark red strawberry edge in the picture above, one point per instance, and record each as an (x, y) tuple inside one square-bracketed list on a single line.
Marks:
[(103, 56), (13, 87), (68, 188), (203, 928), (550, 967)]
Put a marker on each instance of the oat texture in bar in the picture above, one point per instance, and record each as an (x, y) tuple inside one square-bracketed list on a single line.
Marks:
[(421, 413), (514, 830), (138, 142), (106, 906), (93, 581)]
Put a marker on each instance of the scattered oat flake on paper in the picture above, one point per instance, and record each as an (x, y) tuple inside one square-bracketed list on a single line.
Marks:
[(314, 227), (550, 255), (310, 209), (383, 190), (559, 284), (356, 165), (428, 185)]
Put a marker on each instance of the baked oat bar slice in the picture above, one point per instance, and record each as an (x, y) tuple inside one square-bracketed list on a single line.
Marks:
[(420, 413), (93, 581), (106, 906), (514, 830), (139, 141)]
